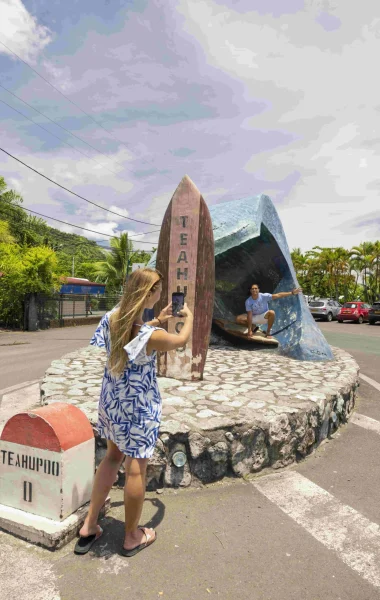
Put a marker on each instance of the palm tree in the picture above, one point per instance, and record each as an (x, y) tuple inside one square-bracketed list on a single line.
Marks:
[(375, 264), (301, 264), (332, 267), (115, 268), (364, 255)]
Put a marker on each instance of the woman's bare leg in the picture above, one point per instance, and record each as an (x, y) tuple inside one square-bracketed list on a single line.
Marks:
[(134, 494), (104, 479)]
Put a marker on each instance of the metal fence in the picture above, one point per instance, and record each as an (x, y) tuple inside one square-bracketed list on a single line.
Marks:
[(44, 311)]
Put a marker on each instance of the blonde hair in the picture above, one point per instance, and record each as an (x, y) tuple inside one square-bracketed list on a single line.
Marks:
[(140, 284)]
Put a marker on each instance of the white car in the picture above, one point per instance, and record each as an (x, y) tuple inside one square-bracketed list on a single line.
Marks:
[(324, 308)]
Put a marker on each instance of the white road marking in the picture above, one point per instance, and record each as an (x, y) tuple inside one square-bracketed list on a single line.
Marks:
[(354, 538), (370, 381), (365, 422)]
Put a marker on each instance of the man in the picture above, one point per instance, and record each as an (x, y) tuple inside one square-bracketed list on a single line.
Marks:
[(257, 310)]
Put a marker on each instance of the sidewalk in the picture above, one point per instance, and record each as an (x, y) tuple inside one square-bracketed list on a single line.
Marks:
[(18, 398)]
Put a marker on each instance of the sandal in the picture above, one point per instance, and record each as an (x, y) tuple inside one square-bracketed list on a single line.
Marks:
[(149, 541), (84, 544)]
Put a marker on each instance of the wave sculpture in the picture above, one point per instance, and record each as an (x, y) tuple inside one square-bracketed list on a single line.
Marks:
[(251, 246)]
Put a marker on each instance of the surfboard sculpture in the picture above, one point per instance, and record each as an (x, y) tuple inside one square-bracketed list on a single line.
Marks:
[(185, 257), (236, 330)]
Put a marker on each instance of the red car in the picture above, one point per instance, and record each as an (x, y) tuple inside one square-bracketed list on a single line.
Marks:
[(353, 311)]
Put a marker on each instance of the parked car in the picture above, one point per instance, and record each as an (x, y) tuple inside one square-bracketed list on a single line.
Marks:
[(374, 313), (324, 308), (354, 311)]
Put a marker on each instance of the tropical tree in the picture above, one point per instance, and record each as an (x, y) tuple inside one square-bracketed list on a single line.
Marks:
[(375, 272), (324, 271), (117, 265), (24, 271), (364, 256), (5, 235)]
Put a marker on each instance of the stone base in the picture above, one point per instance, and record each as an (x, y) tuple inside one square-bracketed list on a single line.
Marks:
[(252, 410), (41, 531)]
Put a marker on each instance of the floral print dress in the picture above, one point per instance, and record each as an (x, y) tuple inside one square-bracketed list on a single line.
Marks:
[(130, 405)]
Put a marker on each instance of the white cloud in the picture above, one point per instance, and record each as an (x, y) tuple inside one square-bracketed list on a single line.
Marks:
[(60, 77), (20, 31), (81, 176), (317, 85), (107, 227), (121, 211)]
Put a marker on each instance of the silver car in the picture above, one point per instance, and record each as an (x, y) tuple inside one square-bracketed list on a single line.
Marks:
[(324, 308)]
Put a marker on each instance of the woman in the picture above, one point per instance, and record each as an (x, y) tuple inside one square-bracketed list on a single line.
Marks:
[(130, 403)]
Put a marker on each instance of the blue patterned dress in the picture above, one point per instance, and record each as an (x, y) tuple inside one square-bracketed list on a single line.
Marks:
[(130, 405)]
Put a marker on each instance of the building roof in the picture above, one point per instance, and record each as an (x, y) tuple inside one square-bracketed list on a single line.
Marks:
[(79, 281)]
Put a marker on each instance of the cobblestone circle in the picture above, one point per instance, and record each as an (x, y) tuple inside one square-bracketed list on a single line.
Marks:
[(252, 410)]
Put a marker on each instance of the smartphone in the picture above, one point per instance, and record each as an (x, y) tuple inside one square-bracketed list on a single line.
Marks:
[(178, 301)]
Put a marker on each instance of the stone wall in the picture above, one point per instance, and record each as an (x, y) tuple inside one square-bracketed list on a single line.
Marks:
[(252, 410)]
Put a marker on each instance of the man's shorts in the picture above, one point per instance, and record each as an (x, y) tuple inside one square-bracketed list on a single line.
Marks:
[(260, 319)]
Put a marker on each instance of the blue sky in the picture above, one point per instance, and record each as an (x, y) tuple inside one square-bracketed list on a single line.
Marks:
[(244, 96)]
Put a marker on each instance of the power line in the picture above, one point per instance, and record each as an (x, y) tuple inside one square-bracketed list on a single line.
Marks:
[(71, 224), (75, 194), (138, 250), (64, 246), (56, 136), (73, 103), (89, 245), (30, 227), (67, 131)]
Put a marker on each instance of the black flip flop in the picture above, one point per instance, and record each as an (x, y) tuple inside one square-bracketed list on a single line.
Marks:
[(84, 544), (137, 549)]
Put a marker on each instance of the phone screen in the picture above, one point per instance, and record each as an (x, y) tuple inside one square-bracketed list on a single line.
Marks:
[(178, 300)]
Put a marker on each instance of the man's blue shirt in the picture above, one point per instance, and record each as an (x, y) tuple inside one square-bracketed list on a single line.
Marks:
[(259, 306)]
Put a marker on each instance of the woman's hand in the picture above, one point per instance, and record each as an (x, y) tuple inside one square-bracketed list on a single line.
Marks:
[(166, 313), (186, 312)]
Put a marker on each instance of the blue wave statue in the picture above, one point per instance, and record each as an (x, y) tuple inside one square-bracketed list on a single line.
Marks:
[(251, 247)]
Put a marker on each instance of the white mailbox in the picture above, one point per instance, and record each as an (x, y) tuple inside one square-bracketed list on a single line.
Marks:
[(47, 461)]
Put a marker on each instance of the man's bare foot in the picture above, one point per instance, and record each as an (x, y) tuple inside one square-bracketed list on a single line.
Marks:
[(140, 536)]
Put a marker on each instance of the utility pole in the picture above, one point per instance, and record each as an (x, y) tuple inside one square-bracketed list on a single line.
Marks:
[(73, 266)]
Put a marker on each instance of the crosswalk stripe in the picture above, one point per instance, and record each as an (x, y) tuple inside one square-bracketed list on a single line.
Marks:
[(365, 422), (370, 381), (354, 538)]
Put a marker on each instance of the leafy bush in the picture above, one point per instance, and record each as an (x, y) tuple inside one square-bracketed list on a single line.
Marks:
[(24, 270)]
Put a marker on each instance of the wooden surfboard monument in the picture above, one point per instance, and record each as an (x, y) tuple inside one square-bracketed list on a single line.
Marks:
[(185, 257)]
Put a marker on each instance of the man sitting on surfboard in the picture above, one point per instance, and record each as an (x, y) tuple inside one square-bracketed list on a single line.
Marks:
[(258, 312)]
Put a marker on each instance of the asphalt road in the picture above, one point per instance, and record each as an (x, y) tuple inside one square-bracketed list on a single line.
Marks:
[(25, 356), (309, 532)]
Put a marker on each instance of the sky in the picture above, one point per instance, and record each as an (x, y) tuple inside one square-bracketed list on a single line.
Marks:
[(279, 97)]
